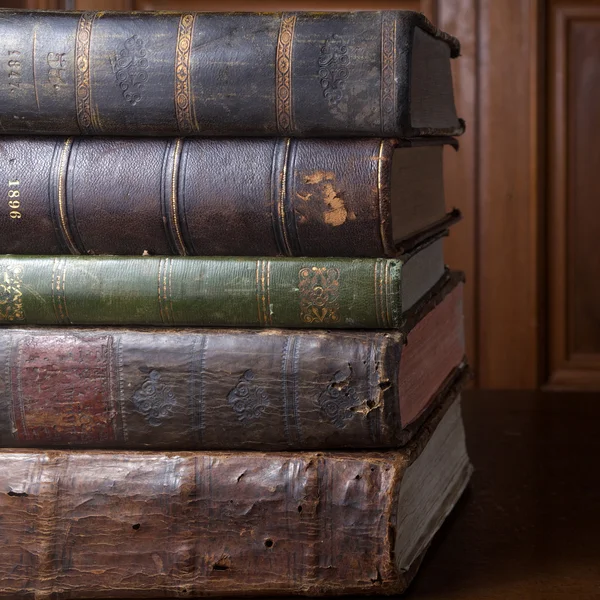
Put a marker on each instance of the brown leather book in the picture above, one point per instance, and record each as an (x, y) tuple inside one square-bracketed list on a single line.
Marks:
[(228, 197), (102, 524), (229, 389)]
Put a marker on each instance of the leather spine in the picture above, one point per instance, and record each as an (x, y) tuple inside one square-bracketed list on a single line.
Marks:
[(225, 389), (157, 73), (228, 292), (197, 196), (85, 523)]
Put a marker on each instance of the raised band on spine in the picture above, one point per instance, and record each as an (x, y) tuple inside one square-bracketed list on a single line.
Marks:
[(388, 73), (63, 166), (83, 88), (283, 69), (184, 98), (174, 203)]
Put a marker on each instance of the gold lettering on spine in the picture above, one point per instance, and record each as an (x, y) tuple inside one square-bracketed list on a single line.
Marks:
[(62, 190), (175, 198), (11, 296), (283, 68), (184, 99), (388, 72), (83, 92)]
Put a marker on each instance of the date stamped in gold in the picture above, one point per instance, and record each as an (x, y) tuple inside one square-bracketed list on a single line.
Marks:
[(14, 199)]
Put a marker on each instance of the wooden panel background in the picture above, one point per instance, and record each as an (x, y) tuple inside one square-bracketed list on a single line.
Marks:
[(528, 84), (574, 220)]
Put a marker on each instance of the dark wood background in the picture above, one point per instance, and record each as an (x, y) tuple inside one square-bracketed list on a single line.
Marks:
[(526, 177)]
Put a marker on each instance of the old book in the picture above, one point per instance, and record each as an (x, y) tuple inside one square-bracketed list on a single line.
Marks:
[(218, 291), (381, 73), (227, 197), (228, 389), (86, 523)]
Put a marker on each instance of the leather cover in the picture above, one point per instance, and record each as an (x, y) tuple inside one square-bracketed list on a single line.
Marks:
[(280, 292), (85, 524), (198, 196), (291, 74), (228, 389)]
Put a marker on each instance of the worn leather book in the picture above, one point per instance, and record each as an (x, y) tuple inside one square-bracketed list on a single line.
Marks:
[(383, 73), (228, 197), (85, 524), (229, 389), (223, 291)]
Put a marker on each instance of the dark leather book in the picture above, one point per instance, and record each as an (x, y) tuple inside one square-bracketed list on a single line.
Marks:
[(85, 524), (229, 389), (383, 73), (219, 291), (227, 197)]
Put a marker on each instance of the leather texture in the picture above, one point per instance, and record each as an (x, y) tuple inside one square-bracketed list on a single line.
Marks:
[(145, 73), (228, 389), (85, 523), (198, 196), (229, 292)]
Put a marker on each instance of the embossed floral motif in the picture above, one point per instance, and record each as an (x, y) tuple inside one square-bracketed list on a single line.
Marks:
[(319, 288), (339, 398), (333, 68), (11, 296), (248, 400), (130, 68), (154, 400)]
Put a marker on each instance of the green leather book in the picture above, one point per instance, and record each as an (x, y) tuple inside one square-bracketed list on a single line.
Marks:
[(226, 291)]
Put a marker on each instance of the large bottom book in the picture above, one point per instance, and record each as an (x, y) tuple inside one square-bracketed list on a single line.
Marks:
[(108, 524)]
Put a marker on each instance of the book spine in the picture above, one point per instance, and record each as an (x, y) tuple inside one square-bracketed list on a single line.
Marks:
[(196, 196), (85, 524), (198, 389), (229, 292), (192, 73)]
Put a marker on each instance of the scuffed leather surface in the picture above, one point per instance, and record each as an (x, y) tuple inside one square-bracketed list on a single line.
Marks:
[(232, 65), (85, 523)]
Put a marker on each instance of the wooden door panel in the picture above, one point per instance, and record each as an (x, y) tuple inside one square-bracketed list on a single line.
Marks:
[(574, 213)]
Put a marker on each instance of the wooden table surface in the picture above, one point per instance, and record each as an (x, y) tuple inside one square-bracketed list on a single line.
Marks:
[(529, 526)]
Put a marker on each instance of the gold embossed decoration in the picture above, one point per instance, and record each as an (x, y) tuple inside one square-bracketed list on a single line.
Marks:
[(388, 72), (184, 100), (283, 68), (83, 92), (319, 289), (11, 297)]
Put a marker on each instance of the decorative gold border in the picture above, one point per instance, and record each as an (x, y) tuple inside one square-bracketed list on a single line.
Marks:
[(388, 72), (263, 292), (165, 290), (83, 90), (11, 296), (283, 69), (59, 299), (175, 198), (184, 99), (62, 194)]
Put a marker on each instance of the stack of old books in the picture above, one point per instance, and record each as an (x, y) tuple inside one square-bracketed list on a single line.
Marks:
[(228, 365)]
